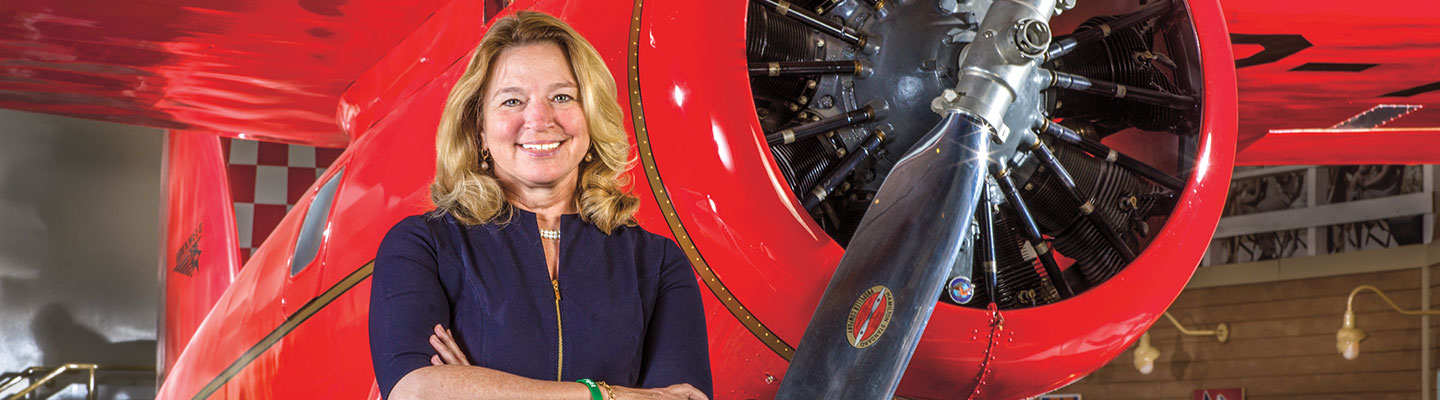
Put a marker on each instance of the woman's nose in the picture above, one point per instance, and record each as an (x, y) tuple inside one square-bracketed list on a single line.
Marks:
[(539, 115)]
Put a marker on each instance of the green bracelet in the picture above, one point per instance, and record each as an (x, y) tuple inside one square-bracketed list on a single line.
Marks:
[(594, 389)]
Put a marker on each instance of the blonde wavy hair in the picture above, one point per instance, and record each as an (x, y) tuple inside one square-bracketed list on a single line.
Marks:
[(474, 195)]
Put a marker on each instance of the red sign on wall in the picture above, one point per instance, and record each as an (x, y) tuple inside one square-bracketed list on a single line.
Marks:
[(1220, 394)]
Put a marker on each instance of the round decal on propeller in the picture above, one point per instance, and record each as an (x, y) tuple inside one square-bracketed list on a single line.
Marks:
[(869, 316)]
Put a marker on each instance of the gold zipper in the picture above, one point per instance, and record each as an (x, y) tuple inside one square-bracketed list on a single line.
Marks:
[(559, 332)]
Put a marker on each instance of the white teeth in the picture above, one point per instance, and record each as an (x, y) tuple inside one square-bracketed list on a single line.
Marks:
[(541, 147)]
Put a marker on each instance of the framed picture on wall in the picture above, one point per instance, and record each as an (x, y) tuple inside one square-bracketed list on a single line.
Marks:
[(1220, 394)]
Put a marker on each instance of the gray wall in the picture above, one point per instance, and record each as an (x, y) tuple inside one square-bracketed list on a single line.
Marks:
[(79, 241)]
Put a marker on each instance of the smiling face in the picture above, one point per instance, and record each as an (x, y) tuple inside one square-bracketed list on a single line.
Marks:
[(533, 124)]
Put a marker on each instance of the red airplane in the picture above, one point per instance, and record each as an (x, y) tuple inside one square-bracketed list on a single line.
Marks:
[(1096, 147)]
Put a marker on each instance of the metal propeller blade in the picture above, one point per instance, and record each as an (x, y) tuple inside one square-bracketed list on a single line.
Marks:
[(871, 317), (876, 306)]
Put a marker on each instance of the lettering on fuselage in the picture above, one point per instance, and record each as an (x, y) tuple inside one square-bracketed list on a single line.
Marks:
[(187, 259), (1274, 47)]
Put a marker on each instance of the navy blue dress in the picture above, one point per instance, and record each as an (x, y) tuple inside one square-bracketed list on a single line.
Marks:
[(629, 306)]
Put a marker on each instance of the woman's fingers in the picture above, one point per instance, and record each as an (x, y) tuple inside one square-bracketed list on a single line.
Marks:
[(435, 360), (443, 351), (444, 343), (687, 392), (680, 391), (447, 351), (448, 338), (455, 347), (444, 339)]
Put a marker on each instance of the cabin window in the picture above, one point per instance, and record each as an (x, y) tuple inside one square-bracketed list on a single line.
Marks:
[(317, 225)]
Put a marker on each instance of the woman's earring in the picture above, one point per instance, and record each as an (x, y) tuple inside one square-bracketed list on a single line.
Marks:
[(485, 159), (588, 158)]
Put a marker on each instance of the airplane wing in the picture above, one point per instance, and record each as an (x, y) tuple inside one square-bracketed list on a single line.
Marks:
[(1332, 83), (259, 70)]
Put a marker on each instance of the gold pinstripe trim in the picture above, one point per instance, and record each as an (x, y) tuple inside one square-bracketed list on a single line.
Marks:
[(662, 199), (293, 321)]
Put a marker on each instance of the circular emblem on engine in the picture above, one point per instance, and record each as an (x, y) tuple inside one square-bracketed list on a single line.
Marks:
[(869, 316), (961, 290)]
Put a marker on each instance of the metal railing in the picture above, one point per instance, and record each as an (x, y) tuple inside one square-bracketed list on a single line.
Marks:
[(14, 378)]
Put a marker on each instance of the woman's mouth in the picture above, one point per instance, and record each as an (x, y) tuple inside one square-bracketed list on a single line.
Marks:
[(541, 149)]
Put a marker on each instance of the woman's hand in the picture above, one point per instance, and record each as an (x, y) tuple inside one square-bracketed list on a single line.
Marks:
[(444, 344), (681, 391)]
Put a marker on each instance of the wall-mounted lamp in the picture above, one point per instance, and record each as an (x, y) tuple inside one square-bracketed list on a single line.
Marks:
[(1145, 354), (1348, 338)]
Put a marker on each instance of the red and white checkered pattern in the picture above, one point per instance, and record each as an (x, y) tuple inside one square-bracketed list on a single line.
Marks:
[(266, 179)]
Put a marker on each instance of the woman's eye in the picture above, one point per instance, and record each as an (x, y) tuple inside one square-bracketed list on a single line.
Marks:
[(563, 98), (510, 103)]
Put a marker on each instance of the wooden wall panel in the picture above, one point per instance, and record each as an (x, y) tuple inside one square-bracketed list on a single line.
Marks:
[(1434, 333), (1282, 343)]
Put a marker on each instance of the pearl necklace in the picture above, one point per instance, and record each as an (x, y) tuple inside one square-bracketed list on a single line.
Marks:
[(549, 234)]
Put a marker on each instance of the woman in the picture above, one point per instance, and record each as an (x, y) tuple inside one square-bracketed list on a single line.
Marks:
[(531, 266)]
